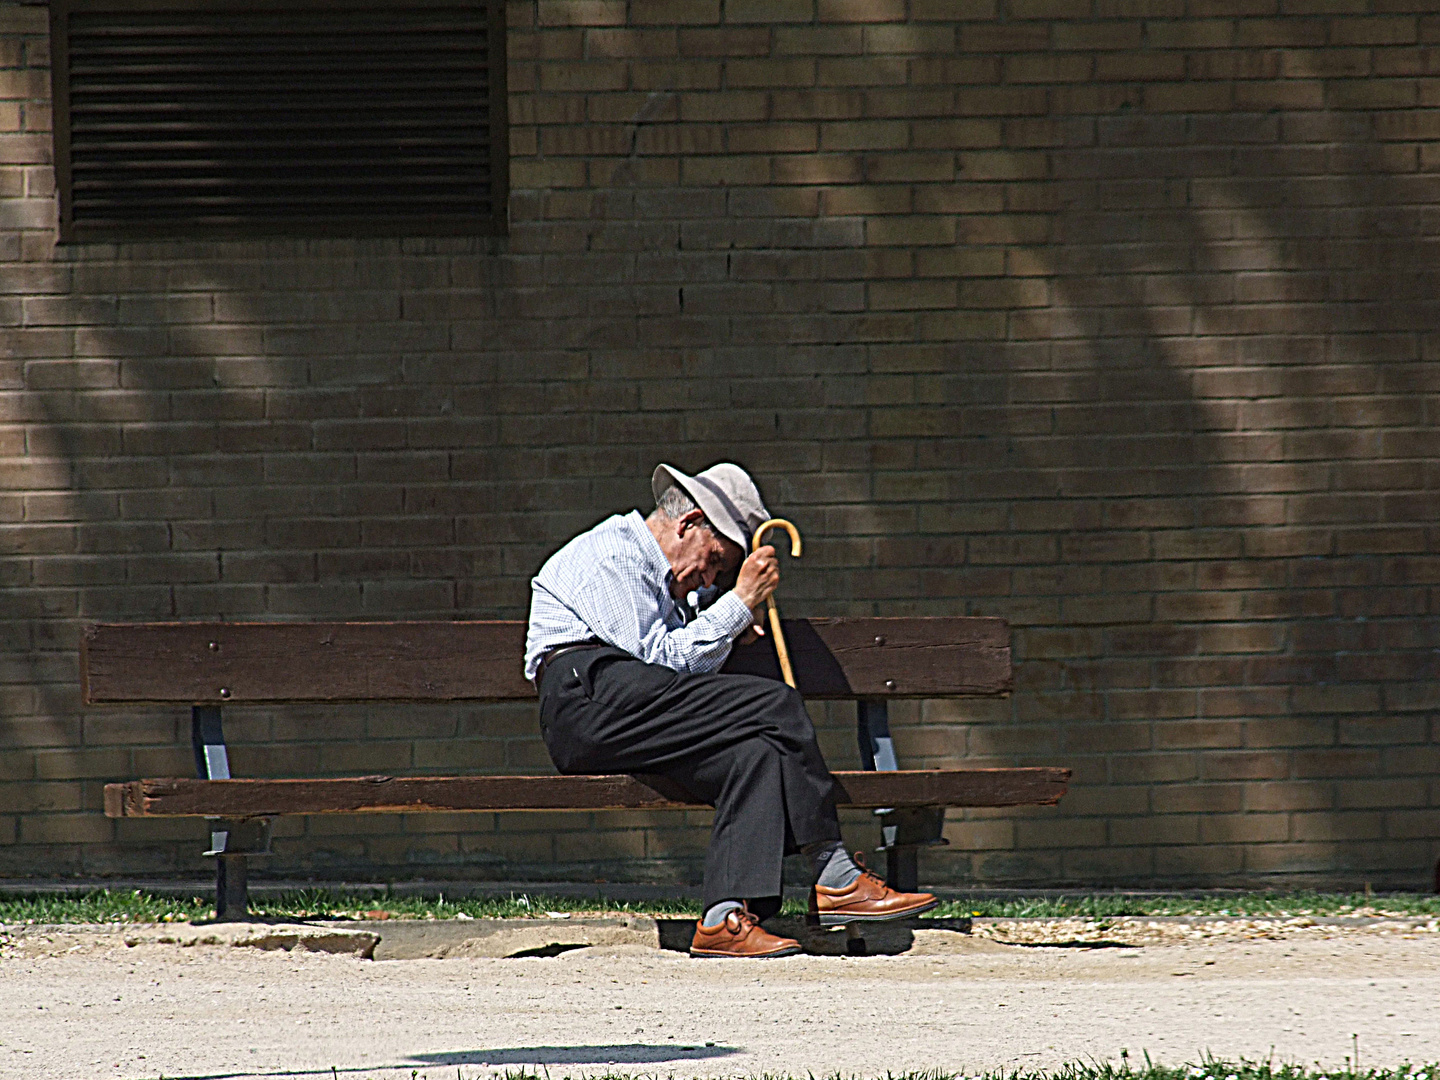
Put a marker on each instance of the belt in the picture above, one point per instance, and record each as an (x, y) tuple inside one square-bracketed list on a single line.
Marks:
[(555, 652)]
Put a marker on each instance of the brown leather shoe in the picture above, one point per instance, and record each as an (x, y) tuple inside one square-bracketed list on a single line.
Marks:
[(868, 899), (740, 935)]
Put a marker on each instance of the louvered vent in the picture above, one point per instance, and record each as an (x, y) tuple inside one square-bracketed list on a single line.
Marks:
[(354, 119)]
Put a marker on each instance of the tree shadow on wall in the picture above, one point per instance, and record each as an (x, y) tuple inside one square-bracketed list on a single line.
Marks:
[(267, 430), (1219, 549)]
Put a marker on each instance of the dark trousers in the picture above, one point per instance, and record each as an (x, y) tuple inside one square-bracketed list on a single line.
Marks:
[(743, 744)]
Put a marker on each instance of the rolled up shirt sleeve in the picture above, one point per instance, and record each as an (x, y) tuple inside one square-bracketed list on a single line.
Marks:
[(615, 604)]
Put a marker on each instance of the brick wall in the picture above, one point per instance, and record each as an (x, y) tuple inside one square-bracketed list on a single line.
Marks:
[(1117, 318)]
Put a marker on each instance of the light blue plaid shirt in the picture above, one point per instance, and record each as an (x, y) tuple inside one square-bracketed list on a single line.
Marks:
[(613, 583)]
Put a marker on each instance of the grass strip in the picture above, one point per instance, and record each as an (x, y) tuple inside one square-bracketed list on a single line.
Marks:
[(1207, 1069), (140, 906), (1113, 905)]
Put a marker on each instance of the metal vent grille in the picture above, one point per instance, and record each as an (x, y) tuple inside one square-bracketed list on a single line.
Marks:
[(176, 119)]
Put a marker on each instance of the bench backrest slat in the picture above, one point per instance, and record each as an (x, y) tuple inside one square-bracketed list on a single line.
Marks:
[(255, 663)]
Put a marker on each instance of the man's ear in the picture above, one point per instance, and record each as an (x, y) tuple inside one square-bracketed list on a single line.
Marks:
[(689, 521)]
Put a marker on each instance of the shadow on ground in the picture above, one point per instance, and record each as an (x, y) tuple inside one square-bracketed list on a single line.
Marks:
[(880, 939), (610, 1054)]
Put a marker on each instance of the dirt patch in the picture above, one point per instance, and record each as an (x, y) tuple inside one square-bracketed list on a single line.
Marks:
[(64, 940)]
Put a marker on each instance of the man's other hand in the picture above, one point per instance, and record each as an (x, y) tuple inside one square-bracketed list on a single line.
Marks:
[(759, 576)]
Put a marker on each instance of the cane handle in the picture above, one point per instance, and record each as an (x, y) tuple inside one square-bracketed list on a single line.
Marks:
[(777, 523), (781, 651)]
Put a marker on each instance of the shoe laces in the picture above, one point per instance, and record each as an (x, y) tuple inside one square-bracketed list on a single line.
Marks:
[(865, 871), (743, 917)]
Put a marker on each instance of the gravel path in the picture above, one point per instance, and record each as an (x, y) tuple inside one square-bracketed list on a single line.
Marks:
[(75, 1005)]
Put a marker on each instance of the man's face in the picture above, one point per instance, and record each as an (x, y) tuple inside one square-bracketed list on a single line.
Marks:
[(700, 556)]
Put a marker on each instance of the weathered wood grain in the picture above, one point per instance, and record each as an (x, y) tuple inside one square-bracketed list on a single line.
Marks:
[(234, 663), (253, 663), (868, 657), (388, 795)]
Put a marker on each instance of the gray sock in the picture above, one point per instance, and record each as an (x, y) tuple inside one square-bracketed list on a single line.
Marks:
[(834, 868), (715, 914)]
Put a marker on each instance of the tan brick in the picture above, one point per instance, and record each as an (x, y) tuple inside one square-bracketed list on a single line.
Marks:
[(746, 41), (819, 40), (74, 764), (1211, 862), (946, 10), (1391, 792), (1053, 68), (817, 169), (908, 39), (1335, 826), (502, 848), (980, 835), (1282, 795), (1060, 833), (582, 847), (852, 11), (91, 828), (772, 138), (545, 174), (767, 12), (1156, 829), (671, 12), (581, 12), (726, 171), (910, 231), (1188, 98), (788, 73), (913, 295), (584, 77), (865, 135), (1412, 824), (1109, 864)]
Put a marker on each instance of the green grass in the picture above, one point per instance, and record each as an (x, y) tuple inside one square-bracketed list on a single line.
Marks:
[(1208, 1069), (105, 906), (1111, 905)]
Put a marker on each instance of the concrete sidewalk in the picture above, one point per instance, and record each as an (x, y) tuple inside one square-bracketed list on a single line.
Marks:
[(88, 1005)]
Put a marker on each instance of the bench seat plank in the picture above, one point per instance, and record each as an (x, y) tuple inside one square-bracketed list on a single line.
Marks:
[(269, 663), (385, 794)]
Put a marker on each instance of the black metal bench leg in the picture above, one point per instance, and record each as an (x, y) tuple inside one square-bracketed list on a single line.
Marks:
[(902, 868), (232, 894), (903, 832), (212, 762)]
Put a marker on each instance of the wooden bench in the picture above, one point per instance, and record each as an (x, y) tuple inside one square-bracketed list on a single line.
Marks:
[(210, 665)]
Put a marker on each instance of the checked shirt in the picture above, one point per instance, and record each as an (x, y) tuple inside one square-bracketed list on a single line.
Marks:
[(613, 583)]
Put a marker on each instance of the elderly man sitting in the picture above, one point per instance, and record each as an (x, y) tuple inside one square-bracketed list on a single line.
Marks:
[(627, 673)]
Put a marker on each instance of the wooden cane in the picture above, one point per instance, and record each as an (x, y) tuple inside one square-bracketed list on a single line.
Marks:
[(780, 650)]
